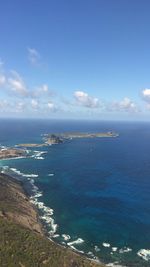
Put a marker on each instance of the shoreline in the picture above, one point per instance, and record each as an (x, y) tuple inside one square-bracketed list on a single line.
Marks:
[(45, 225), (41, 228), (21, 209), (32, 192)]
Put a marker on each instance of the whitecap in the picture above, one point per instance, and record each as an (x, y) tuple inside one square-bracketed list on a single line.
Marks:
[(38, 154), (125, 250), (23, 174), (106, 245), (51, 174), (66, 237), (144, 253), (114, 264), (46, 211), (97, 249), (39, 158), (55, 236), (78, 241), (90, 254), (114, 249)]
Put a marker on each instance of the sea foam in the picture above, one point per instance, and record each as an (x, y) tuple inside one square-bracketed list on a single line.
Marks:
[(106, 245), (97, 249), (46, 211), (66, 237), (144, 253), (125, 250), (78, 241), (23, 174), (114, 264), (38, 154)]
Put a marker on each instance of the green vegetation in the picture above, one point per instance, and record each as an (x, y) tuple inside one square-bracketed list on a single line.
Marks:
[(20, 244), (21, 247)]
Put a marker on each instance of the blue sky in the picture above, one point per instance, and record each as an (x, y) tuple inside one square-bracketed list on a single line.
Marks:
[(87, 59)]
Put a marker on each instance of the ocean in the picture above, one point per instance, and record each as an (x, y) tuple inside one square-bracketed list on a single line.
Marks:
[(93, 194)]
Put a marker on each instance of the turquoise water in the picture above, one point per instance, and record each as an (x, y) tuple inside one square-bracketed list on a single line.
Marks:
[(99, 189)]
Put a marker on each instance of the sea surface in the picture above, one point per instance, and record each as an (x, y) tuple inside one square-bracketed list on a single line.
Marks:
[(93, 194)]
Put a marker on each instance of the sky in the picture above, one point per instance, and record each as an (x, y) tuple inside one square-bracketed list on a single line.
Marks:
[(75, 59)]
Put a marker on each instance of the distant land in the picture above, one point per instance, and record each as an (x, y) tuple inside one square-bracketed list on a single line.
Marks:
[(20, 150), (58, 138)]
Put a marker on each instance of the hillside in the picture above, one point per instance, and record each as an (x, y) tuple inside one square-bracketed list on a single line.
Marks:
[(22, 242)]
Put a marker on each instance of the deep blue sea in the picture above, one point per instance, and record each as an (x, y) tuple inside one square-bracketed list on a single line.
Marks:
[(98, 188)]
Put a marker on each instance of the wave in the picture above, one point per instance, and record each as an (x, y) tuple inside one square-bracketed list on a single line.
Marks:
[(23, 174), (106, 245), (38, 154), (125, 250), (3, 147), (66, 237), (10, 171), (114, 249), (78, 241), (34, 199), (47, 212), (21, 157), (90, 253), (39, 158), (114, 264), (56, 235), (144, 253), (96, 248)]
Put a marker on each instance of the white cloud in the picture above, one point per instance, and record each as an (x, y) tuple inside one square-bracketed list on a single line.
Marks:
[(85, 100), (34, 104), (42, 91), (44, 88), (146, 97), (34, 56), (2, 79), (19, 107), (126, 105), (17, 84), (146, 94), (52, 107)]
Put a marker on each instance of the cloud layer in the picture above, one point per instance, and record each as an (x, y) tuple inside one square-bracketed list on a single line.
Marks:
[(17, 84), (85, 100), (125, 105), (16, 96)]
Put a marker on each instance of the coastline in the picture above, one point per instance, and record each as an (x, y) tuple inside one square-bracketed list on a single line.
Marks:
[(26, 214), (42, 223), (17, 206)]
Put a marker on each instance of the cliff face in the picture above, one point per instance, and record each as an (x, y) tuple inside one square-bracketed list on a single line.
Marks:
[(22, 242), (15, 205)]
